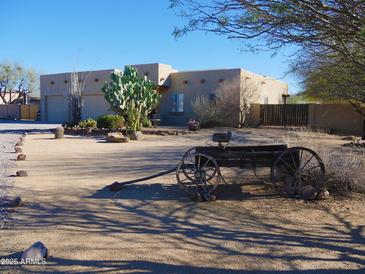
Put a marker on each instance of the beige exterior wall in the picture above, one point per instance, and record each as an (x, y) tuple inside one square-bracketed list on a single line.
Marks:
[(10, 97), (157, 73), (267, 90), (189, 83), (10, 111), (339, 117), (54, 96)]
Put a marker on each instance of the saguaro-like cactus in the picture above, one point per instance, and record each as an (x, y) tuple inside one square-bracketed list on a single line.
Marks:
[(131, 97)]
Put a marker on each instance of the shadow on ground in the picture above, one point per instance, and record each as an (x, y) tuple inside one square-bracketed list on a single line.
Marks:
[(245, 227), (106, 266)]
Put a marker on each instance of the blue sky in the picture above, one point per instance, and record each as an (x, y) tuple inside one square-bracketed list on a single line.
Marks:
[(57, 36)]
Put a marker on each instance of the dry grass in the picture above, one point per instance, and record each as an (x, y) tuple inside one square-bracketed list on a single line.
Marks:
[(345, 167)]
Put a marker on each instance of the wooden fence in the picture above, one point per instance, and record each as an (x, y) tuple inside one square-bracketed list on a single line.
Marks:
[(19, 112), (29, 112), (284, 115)]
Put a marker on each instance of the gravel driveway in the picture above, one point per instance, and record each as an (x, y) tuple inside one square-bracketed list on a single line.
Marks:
[(7, 157), (151, 227), (7, 126)]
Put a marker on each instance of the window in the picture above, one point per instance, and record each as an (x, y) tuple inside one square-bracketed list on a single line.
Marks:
[(177, 102)]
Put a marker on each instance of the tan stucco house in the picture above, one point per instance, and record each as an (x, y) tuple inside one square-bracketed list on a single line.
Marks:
[(178, 88)]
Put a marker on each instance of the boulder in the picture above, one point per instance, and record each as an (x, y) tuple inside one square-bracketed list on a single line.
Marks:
[(309, 193), (18, 150), (138, 136), (21, 157), (22, 173), (35, 253), (349, 138), (324, 194), (59, 133), (116, 137)]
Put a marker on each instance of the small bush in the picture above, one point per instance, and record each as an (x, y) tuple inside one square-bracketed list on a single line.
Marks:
[(146, 122), (206, 112), (110, 121), (344, 167), (193, 125), (89, 122), (68, 124)]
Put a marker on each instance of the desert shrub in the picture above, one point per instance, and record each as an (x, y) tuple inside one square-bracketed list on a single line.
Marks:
[(193, 125), (230, 104), (89, 122), (345, 168), (110, 121), (206, 111), (69, 124), (146, 122)]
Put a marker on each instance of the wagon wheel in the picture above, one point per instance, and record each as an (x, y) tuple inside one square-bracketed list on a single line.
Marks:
[(198, 174), (297, 169)]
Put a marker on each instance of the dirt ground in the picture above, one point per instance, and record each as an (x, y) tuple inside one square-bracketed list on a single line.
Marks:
[(151, 227)]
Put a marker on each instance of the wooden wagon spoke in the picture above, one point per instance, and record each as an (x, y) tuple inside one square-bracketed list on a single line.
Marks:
[(303, 177), (285, 171), (295, 165), (198, 166), (310, 159), (301, 157), (206, 163), (287, 164), (311, 168)]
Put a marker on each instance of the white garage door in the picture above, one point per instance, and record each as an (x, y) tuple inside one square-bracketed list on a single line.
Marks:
[(94, 106), (57, 109)]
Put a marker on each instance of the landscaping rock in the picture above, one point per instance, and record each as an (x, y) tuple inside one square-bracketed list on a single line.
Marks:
[(22, 173), (59, 133), (138, 136), (355, 144), (349, 138), (324, 195), (21, 157), (18, 150), (116, 137), (309, 193), (35, 252)]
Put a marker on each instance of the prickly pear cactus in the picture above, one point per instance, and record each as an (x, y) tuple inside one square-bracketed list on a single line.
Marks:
[(131, 97)]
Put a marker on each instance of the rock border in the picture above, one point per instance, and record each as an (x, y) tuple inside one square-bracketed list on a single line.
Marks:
[(147, 131)]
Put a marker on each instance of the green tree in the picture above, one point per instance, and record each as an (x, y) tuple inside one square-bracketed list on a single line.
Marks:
[(16, 82), (328, 36), (322, 27), (131, 97)]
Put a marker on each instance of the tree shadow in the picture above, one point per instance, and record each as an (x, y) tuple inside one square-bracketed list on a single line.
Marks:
[(139, 266), (241, 227)]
